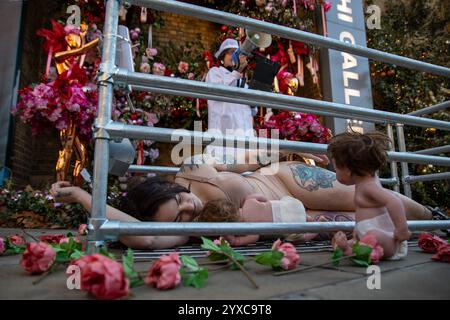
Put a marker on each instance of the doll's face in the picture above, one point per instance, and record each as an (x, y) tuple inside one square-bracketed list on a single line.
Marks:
[(343, 175)]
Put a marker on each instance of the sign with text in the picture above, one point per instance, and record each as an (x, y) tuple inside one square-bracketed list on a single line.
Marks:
[(346, 77)]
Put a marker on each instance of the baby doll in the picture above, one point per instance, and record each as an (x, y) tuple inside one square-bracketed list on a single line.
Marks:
[(379, 212), (256, 208)]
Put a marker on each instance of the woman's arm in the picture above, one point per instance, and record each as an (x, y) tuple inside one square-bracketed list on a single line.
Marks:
[(64, 192)]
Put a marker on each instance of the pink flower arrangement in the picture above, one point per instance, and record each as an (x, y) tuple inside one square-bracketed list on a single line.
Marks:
[(144, 68), (2, 245), (16, 240), (165, 272), (377, 251), (37, 257), (291, 258), (158, 69), (56, 103), (151, 52), (327, 6), (297, 126), (102, 277), (183, 67)]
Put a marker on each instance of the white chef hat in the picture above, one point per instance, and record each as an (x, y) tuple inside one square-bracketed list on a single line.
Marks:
[(226, 44)]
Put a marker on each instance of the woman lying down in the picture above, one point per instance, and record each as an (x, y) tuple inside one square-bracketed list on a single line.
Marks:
[(296, 192)]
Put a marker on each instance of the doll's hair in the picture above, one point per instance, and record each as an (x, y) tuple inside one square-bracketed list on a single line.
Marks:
[(361, 153), (220, 210)]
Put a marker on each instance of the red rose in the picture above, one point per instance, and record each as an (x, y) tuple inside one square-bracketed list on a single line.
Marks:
[(430, 243), (165, 272), (102, 276), (16, 240), (443, 253), (37, 257), (51, 238)]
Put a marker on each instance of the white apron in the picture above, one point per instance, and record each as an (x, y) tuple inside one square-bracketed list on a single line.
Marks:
[(226, 116)]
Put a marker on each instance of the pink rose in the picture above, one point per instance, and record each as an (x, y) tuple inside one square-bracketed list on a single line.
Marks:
[(151, 52), (443, 253), (158, 69), (2, 245), (377, 251), (165, 272), (327, 6), (67, 239), (291, 258), (82, 229), (430, 243), (16, 240), (102, 276), (183, 67), (191, 76), (37, 257), (51, 238), (144, 68)]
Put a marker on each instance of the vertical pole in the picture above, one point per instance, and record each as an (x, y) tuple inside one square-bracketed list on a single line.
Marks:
[(404, 165), (101, 155), (393, 164)]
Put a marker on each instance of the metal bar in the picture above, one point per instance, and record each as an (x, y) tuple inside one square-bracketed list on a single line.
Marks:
[(116, 228), (437, 150), (119, 129), (101, 155), (191, 10), (389, 181), (403, 164), (428, 177), (156, 169), (393, 164), (431, 109), (198, 89)]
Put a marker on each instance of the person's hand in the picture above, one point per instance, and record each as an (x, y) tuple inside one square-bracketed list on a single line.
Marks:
[(321, 158), (242, 63), (401, 234), (63, 191)]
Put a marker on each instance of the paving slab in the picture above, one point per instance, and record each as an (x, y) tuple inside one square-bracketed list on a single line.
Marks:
[(416, 277)]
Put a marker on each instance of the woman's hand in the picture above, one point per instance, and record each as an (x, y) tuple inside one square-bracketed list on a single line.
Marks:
[(321, 158), (63, 191)]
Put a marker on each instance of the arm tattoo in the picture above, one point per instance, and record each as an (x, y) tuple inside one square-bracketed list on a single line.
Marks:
[(312, 178)]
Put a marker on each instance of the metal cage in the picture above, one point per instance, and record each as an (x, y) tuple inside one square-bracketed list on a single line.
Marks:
[(105, 129)]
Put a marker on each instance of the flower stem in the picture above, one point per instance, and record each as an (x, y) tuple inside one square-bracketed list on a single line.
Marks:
[(46, 273), (249, 277), (282, 273)]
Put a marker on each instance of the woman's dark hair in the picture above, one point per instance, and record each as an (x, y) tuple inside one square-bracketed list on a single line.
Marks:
[(361, 153), (143, 200)]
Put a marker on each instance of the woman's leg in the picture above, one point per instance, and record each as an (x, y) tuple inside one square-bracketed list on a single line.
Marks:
[(318, 189)]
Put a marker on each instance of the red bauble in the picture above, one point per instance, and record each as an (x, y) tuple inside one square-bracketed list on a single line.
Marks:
[(223, 29)]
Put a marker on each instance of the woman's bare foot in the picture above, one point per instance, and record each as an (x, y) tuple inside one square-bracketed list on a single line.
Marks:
[(340, 241)]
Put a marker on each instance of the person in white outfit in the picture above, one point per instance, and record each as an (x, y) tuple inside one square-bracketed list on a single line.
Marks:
[(226, 117)]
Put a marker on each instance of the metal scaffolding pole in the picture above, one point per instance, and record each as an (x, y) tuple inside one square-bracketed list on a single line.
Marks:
[(191, 10), (431, 109), (198, 89), (116, 228), (101, 154), (403, 164), (428, 177), (119, 129), (393, 164)]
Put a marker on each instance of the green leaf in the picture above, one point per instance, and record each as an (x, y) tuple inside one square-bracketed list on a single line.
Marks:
[(77, 254), (271, 258), (361, 263), (104, 252), (189, 263), (362, 253), (200, 278), (337, 254), (209, 245)]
